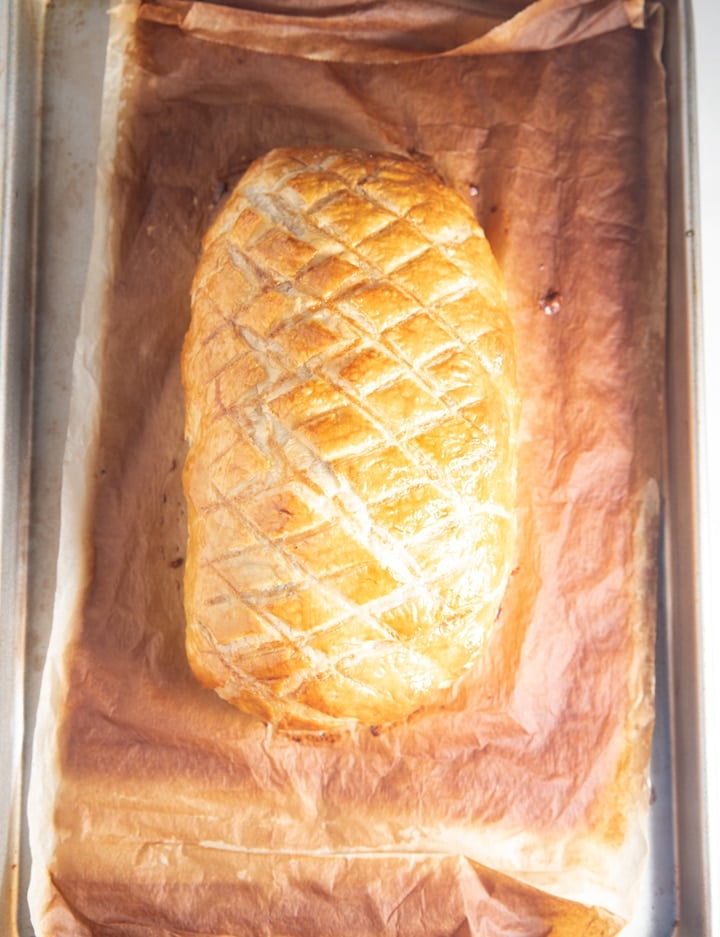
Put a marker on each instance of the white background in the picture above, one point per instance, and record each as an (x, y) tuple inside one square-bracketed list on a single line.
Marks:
[(73, 48), (706, 15)]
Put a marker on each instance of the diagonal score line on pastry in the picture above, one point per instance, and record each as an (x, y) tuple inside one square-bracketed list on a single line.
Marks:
[(352, 422)]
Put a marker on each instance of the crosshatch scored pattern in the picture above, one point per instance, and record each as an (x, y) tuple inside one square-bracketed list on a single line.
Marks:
[(352, 422)]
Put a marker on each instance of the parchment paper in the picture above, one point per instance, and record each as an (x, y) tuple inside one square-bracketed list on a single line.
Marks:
[(517, 806)]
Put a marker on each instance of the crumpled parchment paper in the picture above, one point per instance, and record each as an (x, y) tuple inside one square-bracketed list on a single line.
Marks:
[(518, 805)]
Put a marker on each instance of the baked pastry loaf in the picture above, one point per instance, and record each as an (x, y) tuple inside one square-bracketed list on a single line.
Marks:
[(351, 414)]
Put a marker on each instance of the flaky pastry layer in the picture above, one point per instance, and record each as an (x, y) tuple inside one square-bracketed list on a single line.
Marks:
[(351, 414)]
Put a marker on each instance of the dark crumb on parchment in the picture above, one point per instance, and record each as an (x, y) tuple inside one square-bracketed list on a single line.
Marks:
[(551, 302)]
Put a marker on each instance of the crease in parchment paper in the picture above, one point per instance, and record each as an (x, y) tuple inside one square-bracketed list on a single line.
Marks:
[(397, 31), (528, 783)]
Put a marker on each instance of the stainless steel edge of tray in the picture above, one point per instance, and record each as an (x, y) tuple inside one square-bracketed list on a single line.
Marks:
[(20, 51), (687, 617), (52, 87), (52, 61)]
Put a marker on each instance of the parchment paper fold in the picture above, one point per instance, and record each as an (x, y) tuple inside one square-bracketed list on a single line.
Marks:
[(518, 806)]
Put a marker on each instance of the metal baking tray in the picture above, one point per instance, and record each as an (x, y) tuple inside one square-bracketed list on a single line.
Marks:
[(51, 70)]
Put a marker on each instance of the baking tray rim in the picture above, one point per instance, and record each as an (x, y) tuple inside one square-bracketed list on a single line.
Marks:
[(19, 187)]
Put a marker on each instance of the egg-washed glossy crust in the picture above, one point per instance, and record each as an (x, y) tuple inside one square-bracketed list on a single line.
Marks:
[(351, 414)]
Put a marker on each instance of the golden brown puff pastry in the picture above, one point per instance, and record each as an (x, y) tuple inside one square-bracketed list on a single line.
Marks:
[(352, 419)]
